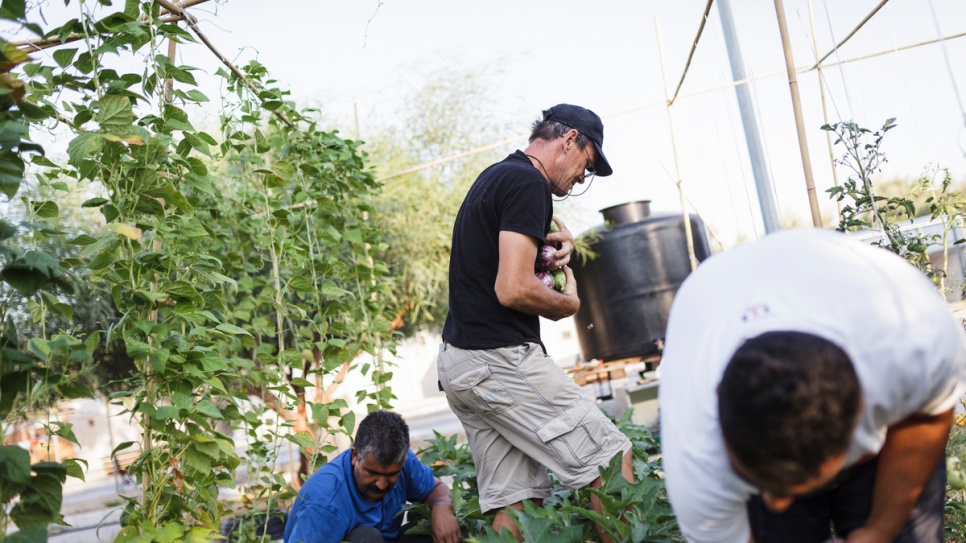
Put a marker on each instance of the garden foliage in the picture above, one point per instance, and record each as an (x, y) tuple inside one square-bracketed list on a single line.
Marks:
[(240, 266), (638, 512)]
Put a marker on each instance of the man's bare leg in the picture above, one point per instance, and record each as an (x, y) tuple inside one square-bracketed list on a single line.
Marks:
[(627, 470), (502, 520)]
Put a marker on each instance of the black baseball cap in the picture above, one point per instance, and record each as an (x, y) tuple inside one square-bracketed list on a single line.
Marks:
[(587, 123)]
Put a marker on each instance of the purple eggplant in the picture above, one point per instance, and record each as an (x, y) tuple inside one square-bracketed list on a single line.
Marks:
[(545, 278), (547, 256)]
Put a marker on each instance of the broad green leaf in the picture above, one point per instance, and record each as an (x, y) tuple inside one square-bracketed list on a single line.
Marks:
[(184, 289), (85, 145), (132, 8), (137, 349), (169, 533), (28, 535), (33, 271), (197, 461), (213, 362), (13, 9), (205, 407), (64, 57), (115, 115), (46, 209), (73, 389), (232, 329), (82, 239), (166, 412), (74, 468), (172, 196), (303, 439), (14, 464), (330, 290), (11, 173)]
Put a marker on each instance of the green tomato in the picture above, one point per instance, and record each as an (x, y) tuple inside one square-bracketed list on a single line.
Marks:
[(955, 476), (559, 279)]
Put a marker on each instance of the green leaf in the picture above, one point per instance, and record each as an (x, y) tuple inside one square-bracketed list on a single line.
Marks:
[(197, 461), (303, 439), (31, 272), (14, 464), (46, 209), (184, 289), (64, 57), (11, 173), (300, 382), (13, 9), (172, 196), (115, 114), (205, 407), (132, 8), (12, 384), (82, 239), (232, 329), (169, 533), (74, 468), (28, 535), (85, 145), (137, 349), (95, 202), (330, 290)]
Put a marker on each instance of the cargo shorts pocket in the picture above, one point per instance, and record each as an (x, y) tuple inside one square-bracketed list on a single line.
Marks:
[(481, 391), (574, 435)]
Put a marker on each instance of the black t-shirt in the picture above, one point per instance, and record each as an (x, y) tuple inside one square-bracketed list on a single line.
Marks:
[(509, 195)]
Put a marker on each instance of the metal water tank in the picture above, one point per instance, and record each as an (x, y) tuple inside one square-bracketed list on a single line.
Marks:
[(626, 290)]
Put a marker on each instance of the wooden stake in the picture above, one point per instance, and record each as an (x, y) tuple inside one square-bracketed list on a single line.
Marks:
[(193, 24), (674, 146), (799, 121), (821, 88)]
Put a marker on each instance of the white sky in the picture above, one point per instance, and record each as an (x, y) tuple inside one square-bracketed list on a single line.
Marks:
[(604, 56)]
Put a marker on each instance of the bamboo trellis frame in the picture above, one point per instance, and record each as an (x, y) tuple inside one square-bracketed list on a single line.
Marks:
[(176, 13)]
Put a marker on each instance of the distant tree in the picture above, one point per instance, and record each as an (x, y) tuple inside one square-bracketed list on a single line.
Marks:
[(451, 114)]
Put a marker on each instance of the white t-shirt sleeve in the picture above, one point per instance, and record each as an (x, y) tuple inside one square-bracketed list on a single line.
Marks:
[(708, 509), (946, 361)]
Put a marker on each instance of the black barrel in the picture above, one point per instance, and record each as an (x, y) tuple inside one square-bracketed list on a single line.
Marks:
[(626, 290)]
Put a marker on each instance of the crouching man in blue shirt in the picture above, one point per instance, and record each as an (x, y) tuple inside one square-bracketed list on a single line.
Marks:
[(358, 496)]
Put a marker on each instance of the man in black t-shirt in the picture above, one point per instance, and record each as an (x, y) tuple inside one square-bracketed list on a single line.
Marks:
[(521, 413)]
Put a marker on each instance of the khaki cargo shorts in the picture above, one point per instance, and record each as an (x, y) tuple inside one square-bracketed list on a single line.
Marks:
[(523, 415)]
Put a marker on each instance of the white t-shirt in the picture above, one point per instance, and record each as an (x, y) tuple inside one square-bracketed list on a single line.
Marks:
[(907, 349)]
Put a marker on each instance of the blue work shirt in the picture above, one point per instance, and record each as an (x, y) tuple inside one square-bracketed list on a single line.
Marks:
[(330, 505)]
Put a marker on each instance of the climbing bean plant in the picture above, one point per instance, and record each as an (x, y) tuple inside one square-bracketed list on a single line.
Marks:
[(241, 265)]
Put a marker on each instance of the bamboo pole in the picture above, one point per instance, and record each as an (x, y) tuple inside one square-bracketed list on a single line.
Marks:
[(694, 46), (821, 88), (193, 24), (847, 38), (799, 121), (677, 167), (44, 43)]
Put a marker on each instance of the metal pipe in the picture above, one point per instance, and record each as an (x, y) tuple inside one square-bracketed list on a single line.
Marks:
[(749, 120)]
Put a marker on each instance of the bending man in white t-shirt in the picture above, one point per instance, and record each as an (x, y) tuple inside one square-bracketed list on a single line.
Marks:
[(808, 380)]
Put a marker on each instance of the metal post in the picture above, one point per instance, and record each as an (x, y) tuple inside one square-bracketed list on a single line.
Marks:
[(749, 119)]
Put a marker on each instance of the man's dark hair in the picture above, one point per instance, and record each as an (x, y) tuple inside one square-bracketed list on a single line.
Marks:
[(385, 436), (788, 402), (551, 130)]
